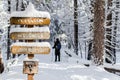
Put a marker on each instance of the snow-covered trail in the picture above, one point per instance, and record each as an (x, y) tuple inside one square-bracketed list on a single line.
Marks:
[(67, 69), (60, 71)]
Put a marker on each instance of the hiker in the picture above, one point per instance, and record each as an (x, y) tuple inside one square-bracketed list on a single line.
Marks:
[(57, 47)]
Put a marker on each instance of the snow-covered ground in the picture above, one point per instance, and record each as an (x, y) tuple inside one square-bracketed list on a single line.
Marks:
[(61, 71), (67, 69)]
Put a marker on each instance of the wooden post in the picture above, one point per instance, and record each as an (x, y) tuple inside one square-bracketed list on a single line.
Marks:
[(30, 76), (30, 56)]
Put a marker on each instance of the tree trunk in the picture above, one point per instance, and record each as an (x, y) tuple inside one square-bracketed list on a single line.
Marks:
[(17, 5), (22, 6), (9, 6), (98, 37), (8, 37), (76, 26)]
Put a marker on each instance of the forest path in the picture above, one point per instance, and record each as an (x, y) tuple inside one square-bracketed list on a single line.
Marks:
[(58, 71)]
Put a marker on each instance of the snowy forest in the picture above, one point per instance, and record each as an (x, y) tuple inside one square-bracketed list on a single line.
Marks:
[(87, 30)]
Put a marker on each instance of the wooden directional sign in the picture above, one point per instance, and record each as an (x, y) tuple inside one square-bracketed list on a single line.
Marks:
[(28, 48), (29, 35), (29, 21), (30, 67)]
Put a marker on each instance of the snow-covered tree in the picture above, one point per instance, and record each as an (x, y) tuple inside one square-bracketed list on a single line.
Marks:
[(109, 50), (3, 23)]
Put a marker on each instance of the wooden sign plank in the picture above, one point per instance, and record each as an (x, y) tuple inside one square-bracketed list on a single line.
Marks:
[(29, 35), (30, 48), (29, 21), (30, 67)]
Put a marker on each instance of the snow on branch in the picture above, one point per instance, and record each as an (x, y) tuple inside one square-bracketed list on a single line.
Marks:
[(108, 34), (110, 41), (112, 47), (112, 56)]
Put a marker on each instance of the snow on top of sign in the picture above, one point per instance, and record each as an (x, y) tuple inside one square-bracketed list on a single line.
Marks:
[(34, 29), (30, 11), (33, 44)]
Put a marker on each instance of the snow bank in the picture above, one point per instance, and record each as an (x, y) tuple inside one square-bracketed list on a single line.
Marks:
[(30, 11), (36, 44), (35, 29)]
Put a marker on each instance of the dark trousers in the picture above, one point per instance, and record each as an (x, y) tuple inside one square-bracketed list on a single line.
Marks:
[(57, 56)]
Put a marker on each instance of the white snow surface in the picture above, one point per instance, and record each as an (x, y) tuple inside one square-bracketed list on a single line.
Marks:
[(67, 69), (34, 29), (30, 11), (36, 44), (113, 66), (64, 70)]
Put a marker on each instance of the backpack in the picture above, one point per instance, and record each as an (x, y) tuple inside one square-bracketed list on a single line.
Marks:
[(58, 46)]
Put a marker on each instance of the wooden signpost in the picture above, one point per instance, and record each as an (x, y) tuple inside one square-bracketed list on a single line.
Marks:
[(29, 35), (29, 21), (30, 47), (30, 67), (17, 49)]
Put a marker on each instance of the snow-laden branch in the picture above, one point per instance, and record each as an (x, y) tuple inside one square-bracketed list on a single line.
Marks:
[(113, 47)]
